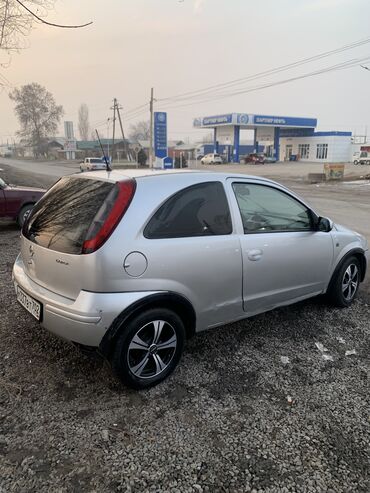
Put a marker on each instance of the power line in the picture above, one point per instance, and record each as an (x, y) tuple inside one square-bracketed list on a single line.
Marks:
[(51, 23), (133, 117), (214, 88), (5, 82), (341, 66), (134, 110)]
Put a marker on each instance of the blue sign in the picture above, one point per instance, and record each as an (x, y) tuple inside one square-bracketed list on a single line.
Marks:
[(247, 120), (285, 121), (243, 118), (216, 120), (167, 163), (160, 134)]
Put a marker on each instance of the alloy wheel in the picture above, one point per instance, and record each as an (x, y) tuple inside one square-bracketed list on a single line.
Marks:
[(350, 282), (151, 349)]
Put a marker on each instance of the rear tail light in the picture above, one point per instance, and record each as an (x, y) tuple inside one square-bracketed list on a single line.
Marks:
[(109, 215)]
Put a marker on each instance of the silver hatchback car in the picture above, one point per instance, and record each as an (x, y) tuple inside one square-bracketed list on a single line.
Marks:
[(132, 263)]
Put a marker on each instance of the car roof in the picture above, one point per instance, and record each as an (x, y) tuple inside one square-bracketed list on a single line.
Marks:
[(121, 174)]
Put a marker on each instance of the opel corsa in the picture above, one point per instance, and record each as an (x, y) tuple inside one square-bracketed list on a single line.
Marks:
[(132, 263)]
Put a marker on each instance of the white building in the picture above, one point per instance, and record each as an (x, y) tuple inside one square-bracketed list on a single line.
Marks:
[(323, 147)]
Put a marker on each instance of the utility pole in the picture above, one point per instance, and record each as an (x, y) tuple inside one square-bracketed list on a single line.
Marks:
[(108, 135), (151, 128), (114, 125), (123, 134)]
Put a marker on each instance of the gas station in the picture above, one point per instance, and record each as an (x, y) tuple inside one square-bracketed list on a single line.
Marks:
[(267, 129)]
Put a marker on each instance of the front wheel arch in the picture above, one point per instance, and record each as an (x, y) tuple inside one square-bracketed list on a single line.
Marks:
[(171, 301), (24, 206), (360, 255)]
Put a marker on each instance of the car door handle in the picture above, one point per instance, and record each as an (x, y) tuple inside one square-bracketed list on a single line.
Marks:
[(255, 254)]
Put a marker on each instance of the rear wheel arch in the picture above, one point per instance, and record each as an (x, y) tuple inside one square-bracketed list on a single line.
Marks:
[(170, 301)]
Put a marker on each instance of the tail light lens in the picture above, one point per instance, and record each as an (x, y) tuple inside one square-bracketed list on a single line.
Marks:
[(109, 215)]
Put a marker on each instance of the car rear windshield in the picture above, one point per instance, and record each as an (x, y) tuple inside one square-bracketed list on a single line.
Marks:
[(61, 219), (93, 161)]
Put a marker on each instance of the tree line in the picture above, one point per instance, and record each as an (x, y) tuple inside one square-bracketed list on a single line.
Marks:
[(39, 118)]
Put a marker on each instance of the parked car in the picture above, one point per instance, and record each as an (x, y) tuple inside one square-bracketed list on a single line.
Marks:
[(364, 158), (17, 202), (92, 164), (254, 158), (270, 159), (132, 263), (211, 159), (355, 157)]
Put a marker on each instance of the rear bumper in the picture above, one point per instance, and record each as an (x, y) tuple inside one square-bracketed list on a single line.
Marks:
[(84, 320)]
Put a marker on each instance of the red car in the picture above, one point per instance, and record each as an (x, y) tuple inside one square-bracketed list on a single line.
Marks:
[(17, 202), (254, 158)]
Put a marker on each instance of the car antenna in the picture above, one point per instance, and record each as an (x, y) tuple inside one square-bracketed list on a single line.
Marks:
[(108, 168)]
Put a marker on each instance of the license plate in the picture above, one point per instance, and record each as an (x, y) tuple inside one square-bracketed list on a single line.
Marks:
[(31, 305)]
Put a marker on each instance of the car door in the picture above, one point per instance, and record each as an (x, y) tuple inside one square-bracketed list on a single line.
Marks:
[(12, 201), (192, 250), (284, 258)]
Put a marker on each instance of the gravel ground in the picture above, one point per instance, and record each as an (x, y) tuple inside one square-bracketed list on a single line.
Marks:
[(256, 406)]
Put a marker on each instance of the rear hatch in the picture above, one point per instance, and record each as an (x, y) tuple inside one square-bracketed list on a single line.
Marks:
[(71, 222)]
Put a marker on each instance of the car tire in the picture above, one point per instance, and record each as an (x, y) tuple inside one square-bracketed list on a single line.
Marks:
[(367, 162), (344, 285), (138, 359), (355, 162), (23, 214)]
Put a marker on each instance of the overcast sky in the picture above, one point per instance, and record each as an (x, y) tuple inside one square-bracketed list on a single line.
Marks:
[(178, 46)]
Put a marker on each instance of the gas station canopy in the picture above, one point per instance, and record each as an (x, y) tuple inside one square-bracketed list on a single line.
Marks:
[(266, 127), (246, 120)]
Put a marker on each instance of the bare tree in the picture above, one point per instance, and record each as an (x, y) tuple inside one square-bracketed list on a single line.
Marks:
[(38, 115), (16, 23), (140, 131), (18, 17), (83, 121)]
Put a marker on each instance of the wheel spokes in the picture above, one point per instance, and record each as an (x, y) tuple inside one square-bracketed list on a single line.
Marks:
[(139, 368), (138, 343), (152, 349), (172, 342), (354, 272), (158, 327), (159, 363), (350, 282)]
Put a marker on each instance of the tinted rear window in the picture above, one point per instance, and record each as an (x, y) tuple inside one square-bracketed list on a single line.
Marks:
[(62, 217), (199, 210), (94, 161)]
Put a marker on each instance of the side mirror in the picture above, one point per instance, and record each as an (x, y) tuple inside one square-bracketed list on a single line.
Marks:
[(324, 224)]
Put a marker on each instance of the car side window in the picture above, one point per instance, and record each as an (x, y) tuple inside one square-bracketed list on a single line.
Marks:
[(199, 210), (265, 209)]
